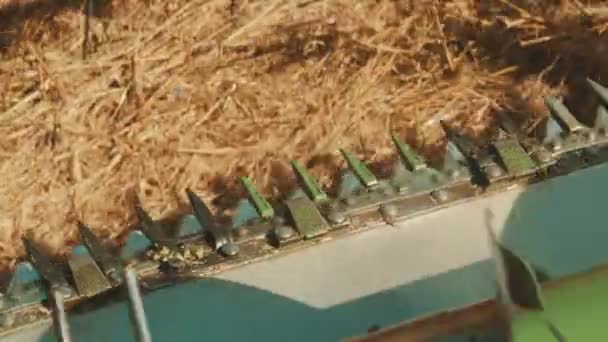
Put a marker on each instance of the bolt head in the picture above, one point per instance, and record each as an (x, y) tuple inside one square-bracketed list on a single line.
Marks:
[(494, 171), (350, 200), (336, 216), (389, 210), (590, 136), (543, 156), (230, 249), (388, 190), (454, 173), (7, 320), (284, 232), (556, 145), (440, 195), (241, 231), (278, 220), (65, 291)]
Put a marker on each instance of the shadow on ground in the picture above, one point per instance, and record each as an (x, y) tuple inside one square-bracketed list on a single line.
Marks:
[(574, 52), (17, 14)]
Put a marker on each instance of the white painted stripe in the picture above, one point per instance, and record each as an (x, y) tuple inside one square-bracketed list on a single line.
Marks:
[(338, 271)]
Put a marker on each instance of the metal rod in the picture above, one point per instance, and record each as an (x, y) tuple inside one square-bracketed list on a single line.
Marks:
[(136, 308), (62, 327)]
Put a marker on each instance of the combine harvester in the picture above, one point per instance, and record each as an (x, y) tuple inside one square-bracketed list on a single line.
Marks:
[(504, 242)]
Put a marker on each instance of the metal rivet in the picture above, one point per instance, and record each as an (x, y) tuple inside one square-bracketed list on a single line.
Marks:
[(591, 136), (543, 156), (336, 216), (114, 277), (494, 171), (351, 200), (556, 145), (454, 173), (176, 263), (440, 195), (7, 320), (389, 211), (230, 249), (278, 220), (241, 231), (284, 232), (388, 190), (65, 291)]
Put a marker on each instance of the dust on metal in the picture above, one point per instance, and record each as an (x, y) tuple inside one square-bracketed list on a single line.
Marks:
[(88, 278), (108, 262), (514, 157), (306, 217)]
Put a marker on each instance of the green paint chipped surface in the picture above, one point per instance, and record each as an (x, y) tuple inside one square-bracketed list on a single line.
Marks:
[(310, 185), (514, 157), (306, 217)]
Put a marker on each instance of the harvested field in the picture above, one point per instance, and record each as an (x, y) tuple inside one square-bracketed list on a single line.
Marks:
[(193, 93)]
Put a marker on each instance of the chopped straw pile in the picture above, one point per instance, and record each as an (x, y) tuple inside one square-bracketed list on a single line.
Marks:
[(193, 93)]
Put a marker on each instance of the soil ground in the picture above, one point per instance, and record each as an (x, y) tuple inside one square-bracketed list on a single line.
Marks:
[(167, 95)]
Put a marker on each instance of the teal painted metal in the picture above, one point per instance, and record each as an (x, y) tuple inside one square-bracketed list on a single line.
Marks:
[(25, 287), (245, 212), (349, 184), (188, 225), (136, 244)]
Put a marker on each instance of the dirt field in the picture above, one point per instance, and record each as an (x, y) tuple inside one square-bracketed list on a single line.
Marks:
[(176, 94)]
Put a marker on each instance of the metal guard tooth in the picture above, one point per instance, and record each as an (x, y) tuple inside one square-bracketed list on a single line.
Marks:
[(366, 177), (150, 228), (221, 237), (564, 117), (375, 201), (50, 272), (88, 277), (409, 156), (308, 183), (263, 207), (600, 90), (108, 263)]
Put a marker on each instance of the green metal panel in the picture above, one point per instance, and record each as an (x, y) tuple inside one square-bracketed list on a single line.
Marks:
[(576, 311)]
